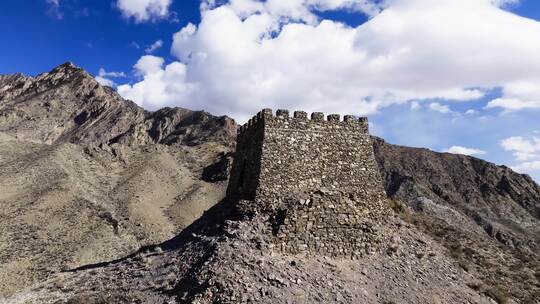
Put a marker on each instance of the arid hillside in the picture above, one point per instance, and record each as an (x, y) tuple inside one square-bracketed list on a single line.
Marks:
[(486, 216), (87, 177)]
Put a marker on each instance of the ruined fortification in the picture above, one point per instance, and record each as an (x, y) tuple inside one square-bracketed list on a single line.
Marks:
[(319, 175)]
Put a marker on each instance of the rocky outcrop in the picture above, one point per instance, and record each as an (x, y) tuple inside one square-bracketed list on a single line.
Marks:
[(487, 216), (86, 176), (177, 126), (68, 105), (228, 256)]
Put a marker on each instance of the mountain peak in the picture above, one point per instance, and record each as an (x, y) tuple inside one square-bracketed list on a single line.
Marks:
[(64, 71), (68, 65), (69, 101)]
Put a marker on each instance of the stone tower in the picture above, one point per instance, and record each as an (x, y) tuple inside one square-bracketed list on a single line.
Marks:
[(328, 164)]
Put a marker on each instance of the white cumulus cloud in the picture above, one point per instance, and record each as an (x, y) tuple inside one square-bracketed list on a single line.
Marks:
[(153, 47), (300, 10), (528, 167), (103, 77), (246, 54), (504, 2), (523, 149), (465, 150), (526, 151), (444, 109), (144, 10), (519, 95), (160, 86)]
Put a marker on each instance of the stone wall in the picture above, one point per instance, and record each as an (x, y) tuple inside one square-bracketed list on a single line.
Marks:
[(331, 223), (245, 171), (301, 154), (279, 157)]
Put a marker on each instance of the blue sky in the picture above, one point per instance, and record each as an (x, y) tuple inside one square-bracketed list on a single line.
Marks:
[(92, 34), (452, 75)]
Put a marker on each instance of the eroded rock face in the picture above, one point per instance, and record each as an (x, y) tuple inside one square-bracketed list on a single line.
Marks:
[(487, 216), (228, 256), (86, 176), (68, 105)]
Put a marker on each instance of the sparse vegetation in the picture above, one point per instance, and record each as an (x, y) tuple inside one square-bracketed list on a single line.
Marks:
[(117, 177), (494, 292), (470, 255)]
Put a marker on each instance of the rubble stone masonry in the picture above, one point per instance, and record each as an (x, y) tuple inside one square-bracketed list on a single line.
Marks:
[(319, 175)]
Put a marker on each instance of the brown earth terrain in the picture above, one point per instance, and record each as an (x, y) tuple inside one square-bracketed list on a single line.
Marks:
[(84, 176), (87, 177)]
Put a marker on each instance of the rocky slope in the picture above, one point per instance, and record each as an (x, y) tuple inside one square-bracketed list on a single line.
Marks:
[(87, 177), (68, 105), (487, 216), (227, 257)]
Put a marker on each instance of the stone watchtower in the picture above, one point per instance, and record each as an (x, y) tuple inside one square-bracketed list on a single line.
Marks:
[(329, 161)]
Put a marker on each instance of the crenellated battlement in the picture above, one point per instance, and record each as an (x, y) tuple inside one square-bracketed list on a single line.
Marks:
[(301, 119), (278, 152), (278, 156)]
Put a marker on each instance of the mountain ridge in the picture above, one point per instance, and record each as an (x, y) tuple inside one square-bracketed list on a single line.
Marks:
[(95, 114), (484, 214), (94, 154), (84, 179)]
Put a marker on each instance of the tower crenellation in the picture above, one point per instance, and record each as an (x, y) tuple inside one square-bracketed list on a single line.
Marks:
[(279, 156), (316, 119)]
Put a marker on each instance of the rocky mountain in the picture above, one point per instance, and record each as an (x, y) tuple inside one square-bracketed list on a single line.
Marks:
[(68, 105), (101, 202), (486, 216), (86, 176)]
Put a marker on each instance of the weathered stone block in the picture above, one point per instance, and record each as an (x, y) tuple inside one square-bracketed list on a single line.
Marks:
[(317, 116), (300, 115), (333, 117), (282, 114)]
